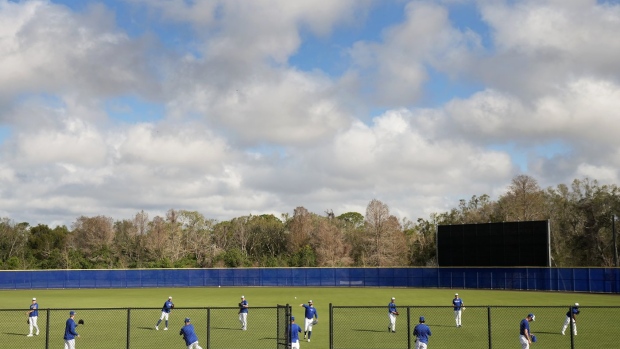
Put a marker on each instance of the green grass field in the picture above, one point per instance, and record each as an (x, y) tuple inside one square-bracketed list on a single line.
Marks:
[(354, 328)]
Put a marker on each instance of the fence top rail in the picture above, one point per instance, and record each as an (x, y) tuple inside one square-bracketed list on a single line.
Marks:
[(140, 308), (475, 306)]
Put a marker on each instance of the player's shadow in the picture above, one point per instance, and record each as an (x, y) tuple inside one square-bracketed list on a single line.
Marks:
[(14, 334), (366, 330), (434, 325), (226, 328), (556, 333), (146, 328)]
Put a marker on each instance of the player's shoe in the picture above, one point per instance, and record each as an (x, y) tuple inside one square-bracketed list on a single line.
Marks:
[(308, 339), (156, 328), (165, 328), (29, 335), (36, 334), (562, 333)]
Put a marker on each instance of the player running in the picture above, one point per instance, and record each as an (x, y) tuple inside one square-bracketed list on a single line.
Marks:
[(310, 315), (165, 313)]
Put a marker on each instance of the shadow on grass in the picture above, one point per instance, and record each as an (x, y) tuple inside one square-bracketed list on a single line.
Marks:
[(556, 333), (363, 330), (146, 328), (14, 334), (226, 328)]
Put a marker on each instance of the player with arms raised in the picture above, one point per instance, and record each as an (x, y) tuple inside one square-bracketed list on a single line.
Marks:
[(310, 315)]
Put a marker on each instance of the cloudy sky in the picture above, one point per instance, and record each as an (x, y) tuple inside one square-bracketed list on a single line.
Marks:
[(236, 107)]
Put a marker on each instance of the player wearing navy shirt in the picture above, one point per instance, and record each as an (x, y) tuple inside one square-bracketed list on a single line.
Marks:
[(310, 315), (457, 303), (243, 313), (392, 315), (525, 336), (294, 332), (33, 317), (422, 332), (70, 331), (570, 315), (189, 335), (165, 313)]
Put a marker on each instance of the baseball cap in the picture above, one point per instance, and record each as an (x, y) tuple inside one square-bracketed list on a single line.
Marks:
[(393, 298), (456, 294), (242, 296), (422, 319), (186, 319), (170, 297), (292, 318), (532, 316), (34, 299), (72, 312), (310, 301), (576, 304)]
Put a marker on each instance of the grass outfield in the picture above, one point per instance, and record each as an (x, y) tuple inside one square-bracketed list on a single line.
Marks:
[(354, 328)]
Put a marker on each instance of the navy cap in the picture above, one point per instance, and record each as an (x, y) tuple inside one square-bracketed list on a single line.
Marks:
[(72, 312), (292, 318), (186, 319), (532, 316), (422, 319)]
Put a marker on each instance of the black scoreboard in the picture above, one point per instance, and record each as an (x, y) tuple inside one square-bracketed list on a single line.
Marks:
[(506, 244)]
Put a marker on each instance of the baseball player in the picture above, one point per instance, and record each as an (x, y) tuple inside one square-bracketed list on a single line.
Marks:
[(70, 333), (165, 313), (189, 335), (422, 332), (33, 316), (570, 315), (392, 312), (525, 336), (243, 313), (457, 303), (310, 315), (295, 330)]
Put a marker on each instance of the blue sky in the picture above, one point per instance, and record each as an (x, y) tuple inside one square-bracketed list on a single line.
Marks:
[(230, 107)]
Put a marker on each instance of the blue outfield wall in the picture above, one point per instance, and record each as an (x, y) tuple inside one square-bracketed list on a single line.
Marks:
[(598, 280)]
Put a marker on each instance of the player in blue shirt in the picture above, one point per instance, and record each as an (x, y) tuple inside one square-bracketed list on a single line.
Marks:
[(310, 315), (422, 332), (570, 315), (189, 335), (457, 303), (70, 331), (525, 336), (243, 313), (165, 313), (294, 332), (33, 316), (392, 315)]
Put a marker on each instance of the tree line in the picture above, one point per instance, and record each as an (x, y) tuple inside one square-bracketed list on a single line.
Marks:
[(580, 215)]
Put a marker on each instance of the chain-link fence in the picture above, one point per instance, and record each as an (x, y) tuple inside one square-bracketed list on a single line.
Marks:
[(495, 327), (135, 328)]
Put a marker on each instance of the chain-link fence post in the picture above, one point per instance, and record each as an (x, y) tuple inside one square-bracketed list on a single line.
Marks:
[(128, 326), (47, 329), (408, 327), (489, 325), (331, 326), (208, 328)]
